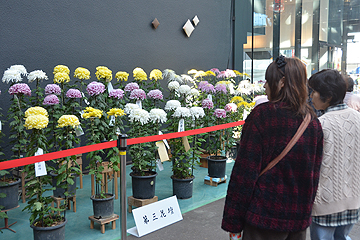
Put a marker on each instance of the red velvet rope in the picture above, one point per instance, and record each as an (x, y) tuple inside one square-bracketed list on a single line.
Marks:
[(90, 148)]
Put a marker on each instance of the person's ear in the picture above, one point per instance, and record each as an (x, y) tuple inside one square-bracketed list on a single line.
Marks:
[(281, 83)]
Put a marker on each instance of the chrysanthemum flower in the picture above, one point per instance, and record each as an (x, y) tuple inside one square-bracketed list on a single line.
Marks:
[(174, 85), (52, 89), (194, 92), (172, 105), (230, 107), (92, 112), (184, 89), (11, 76), (156, 74), (168, 75), (95, 88), (139, 74), (68, 120), (82, 73), (131, 86), (197, 112), (202, 84), (36, 121), (209, 73), (122, 76), (103, 73), (220, 113), (116, 93), (155, 94), (36, 111), (200, 74), (207, 103), (192, 71), (137, 94), (139, 115), (157, 115), (51, 99), (182, 112), (20, 68), (61, 77), (117, 112), (129, 107), (215, 70), (221, 88), (73, 93), (37, 74), (61, 68), (228, 73), (187, 78), (207, 88), (20, 88)]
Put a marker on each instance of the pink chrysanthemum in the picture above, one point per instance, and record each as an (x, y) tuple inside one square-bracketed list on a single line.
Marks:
[(95, 88), (51, 99), (226, 74), (215, 70), (202, 84), (207, 88), (220, 113), (155, 94), (138, 94), (230, 107), (116, 93), (131, 86), (52, 89), (20, 88), (221, 88), (73, 93), (207, 103)]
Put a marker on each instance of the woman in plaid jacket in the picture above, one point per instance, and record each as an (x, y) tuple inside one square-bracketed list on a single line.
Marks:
[(278, 204)]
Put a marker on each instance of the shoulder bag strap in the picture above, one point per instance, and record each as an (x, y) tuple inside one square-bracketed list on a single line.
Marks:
[(292, 142)]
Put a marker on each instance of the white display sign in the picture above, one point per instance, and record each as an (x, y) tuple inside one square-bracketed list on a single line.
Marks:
[(110, 87), (138, 102), (181, 126), (165, 141), (40, 168), (209, 96), (155, 216)]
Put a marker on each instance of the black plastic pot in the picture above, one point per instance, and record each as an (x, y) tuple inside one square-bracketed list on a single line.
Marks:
[(182, 188), (12, 195), (59, 191), (50, 233), (216, 166), (143, 187), (103, 207)]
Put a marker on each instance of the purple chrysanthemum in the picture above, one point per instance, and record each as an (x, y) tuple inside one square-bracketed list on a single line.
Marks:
[(116, 93), (137, 94), (52, 89), (155, 94), (207, 103), (220, 113), (20, 88), (207, 88), (95, 88), (131, 86), (226, 74), (202, 84), (230, 107), (215, 70), (221, 88), (51, 99), (73, 93)]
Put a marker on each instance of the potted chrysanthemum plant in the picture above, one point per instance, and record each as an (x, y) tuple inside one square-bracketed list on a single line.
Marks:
[(61, 77), (46, 224), (121, 77), (37, 76)]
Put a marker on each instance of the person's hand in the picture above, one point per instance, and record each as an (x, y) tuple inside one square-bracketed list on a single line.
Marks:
[(235, 236)]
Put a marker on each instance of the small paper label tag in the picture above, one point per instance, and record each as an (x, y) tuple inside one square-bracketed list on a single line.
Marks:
[(118, 132), (231, 88), (138, 102), (79, 131), (245, 114), (110, 87), (112, 121), (81, 113), (40, 168), (0, 126), (159, 165), (83, 96), (165, 141), (209, 96), (181, 127)]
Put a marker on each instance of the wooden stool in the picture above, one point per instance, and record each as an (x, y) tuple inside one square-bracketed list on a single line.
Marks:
[(103, 221), (213, 183), (58, 202), (7, 226), (135, 202), (107, 174)]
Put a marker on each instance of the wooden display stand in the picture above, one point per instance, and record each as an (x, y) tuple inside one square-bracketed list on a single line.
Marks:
[(58, 200), (107, 174), (103, 221), (135, 202), (212, 183), (7, 226)]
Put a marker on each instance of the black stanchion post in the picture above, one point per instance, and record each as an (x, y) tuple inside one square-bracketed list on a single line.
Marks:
[(122, 146)]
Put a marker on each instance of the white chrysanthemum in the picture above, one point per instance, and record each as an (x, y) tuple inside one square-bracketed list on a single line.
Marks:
[(129, 107), (20, 68), (197, 112), (194, 92), (169, 75), (259, 87), (184, 89), (173, 85), (178, 79), (182, 112), (157, 115), (37, 74), (245, 84), (11, 76), (187, 78), (245, 87), (139, 115), (172, 105)]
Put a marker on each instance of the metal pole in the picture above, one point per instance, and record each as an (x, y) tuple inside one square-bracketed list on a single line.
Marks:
[(122, 146)]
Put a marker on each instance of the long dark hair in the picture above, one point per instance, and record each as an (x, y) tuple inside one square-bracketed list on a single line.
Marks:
[(295, 91)]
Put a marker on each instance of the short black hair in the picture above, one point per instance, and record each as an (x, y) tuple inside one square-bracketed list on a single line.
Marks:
[(350, 83), (330, 85)]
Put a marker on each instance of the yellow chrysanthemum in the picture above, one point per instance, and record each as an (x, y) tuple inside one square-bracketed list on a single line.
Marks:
[(209, 73), (237, 73), (103, 73), (139, 74), (123, 76), (237, 99), (223, 82), (192, 71), (36, 121), (36, 111), (156, 74), (92, 112), (61, 68), (200, 73), (61, 77), (82, 73), (68, 120), (117, 112)]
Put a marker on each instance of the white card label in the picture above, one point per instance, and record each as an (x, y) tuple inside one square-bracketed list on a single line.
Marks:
[(209, 96), (40, 168), (86, 101), (181, 126), (165, 141), (110, 87), (0, 126), (79, 131), (112, 121), (138, 102)]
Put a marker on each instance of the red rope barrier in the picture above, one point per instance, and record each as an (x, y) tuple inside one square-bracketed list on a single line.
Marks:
[(90, 148)]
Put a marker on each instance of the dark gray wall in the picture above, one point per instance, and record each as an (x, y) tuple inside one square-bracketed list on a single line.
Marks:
[(41, 34)]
